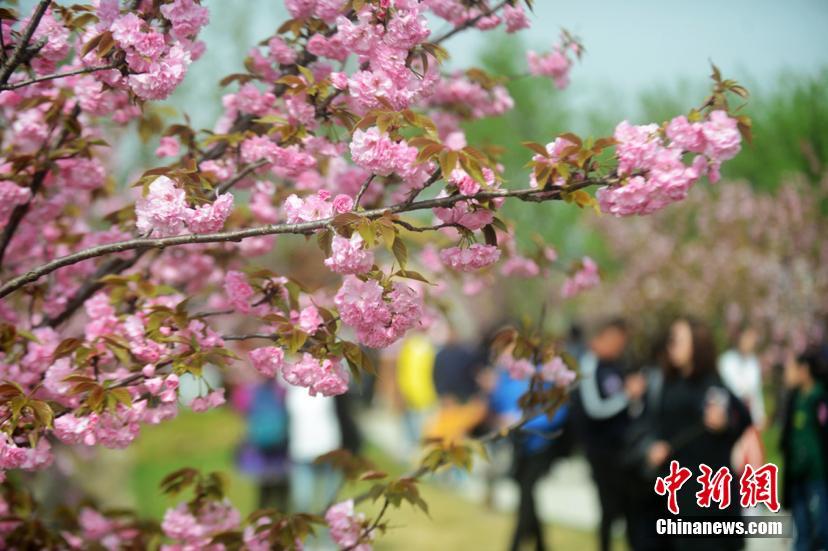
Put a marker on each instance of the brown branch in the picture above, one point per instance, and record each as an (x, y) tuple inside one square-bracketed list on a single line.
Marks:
[(20, 211), (226, 185), (363, 188), (470, 23), (20, 50), (302, 228), (92, 286), (56, 76), (435, 177)]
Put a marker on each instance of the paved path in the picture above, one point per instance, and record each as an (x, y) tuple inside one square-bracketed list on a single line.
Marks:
[(565, 496)]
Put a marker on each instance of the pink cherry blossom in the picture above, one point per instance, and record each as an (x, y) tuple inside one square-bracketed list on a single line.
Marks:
[(470, 259), (349, 256), (268, 361), (346, 526), (585, 278)]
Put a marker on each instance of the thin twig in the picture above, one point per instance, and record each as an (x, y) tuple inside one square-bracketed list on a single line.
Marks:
[(302, 228), (363, 188), (225, 186), (20, 50), (56, 76), (470, 23)]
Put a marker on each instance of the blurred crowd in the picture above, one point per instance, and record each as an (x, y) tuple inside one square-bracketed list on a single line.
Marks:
[(629, 415)]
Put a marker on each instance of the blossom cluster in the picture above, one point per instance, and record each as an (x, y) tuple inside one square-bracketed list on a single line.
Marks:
[(653, 162), (327, 377), (379, 317), (195, 529), (554, 371), (164, 211), (586, 277), (347, 527), (469, 259)]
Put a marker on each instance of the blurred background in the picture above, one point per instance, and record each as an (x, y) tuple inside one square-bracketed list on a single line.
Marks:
[(748, 254)]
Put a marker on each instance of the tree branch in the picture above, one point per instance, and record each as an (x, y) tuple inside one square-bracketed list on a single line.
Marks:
[(302, 228), (56, 76), (226, 185), (470, 23), (363, 188), (20, 211), (20, 50)]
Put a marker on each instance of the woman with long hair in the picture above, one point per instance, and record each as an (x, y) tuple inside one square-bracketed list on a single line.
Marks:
[(691, 417)]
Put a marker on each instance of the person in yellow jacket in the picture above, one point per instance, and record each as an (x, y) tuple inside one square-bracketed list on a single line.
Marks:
[(415, 366)]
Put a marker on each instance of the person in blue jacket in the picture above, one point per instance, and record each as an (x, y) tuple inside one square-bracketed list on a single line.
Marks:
[(535, 448)]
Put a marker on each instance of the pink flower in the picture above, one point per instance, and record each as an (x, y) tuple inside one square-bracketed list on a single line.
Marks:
[(11, 195), (473, 258), (168, 147), (378, 322), (164, 210), (309, 320), (309, 209), (327, 377), (348, 256), (519, 266), (555, 65), (162, 76), (515, 18), (346, 526), (462, 213), (377, 153), (268, 360), (518, 368), (212, 400), (211, 217), (343, 203), (239, 291), (280, 52), (186, 16), (721, 132), (555, 371), (585, 278)]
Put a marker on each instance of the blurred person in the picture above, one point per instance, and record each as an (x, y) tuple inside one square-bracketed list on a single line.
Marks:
[(741, 372), (461, 406), (603, 420), (695, 420), (263, 454), (535, 448), (314, 430), (415, 369), (804, 445)]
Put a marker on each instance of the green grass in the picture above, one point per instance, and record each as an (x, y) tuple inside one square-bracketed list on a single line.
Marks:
[(207, 441)]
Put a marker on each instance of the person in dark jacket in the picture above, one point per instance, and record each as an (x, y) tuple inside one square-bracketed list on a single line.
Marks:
[(694, 419), (804, 445), (602, 419)]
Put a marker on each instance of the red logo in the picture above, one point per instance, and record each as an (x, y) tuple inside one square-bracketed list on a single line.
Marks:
[(759, 486), (715, 487), (756, 485), (671, 484)]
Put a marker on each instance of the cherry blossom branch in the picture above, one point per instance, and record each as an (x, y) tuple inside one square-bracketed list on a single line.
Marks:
[(225, 186), (370, 529), (302, 228), (470, 23), (39, 177), (20, 50), (56, 76), (363, 189)]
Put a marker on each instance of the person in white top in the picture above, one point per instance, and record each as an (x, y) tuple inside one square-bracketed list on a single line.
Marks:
[(740, 371), (314, 430)]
